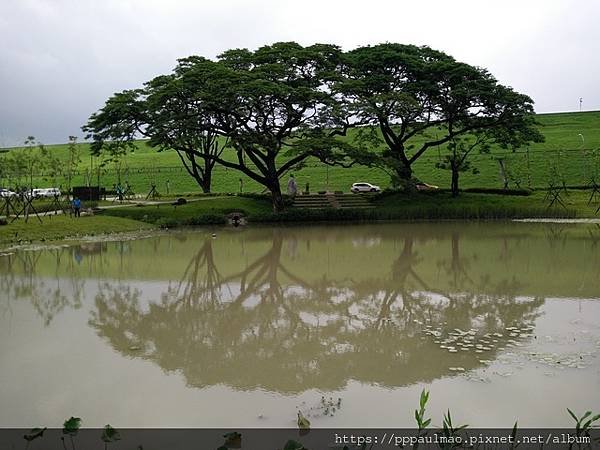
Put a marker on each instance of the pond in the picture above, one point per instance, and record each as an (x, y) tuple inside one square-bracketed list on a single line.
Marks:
[(244, 327)]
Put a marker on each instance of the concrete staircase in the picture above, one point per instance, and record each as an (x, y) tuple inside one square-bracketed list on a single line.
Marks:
[(354, 201), (330, 200), (312, 201)]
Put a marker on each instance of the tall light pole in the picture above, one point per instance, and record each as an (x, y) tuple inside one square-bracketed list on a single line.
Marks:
[(580, 103)]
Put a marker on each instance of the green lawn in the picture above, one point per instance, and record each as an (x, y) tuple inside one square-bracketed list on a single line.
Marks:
[(196, 212), (59, 227), (562, 132), (441, 205), (418, 206)]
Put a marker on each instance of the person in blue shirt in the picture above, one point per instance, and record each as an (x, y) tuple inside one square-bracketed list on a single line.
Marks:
[(77, 207), (119, 191)]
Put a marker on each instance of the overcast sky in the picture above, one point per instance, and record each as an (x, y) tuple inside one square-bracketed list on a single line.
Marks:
[(61, 59)]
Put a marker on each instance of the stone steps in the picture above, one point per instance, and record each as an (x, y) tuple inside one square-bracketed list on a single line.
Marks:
[(312, 202), (336, 201)]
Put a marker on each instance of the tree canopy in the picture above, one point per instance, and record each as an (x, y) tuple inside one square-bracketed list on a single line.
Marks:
[(418, 98), (283, 103), (261, 103)]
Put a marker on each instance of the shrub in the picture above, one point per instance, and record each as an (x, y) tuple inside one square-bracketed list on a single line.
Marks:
[(206, 219), (255, 195), (166, 222), (316, 215), (498, 191)]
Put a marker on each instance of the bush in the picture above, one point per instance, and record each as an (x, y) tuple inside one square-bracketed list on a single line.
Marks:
[(388, 192), (206, 219), (255, 195), (205, 194), (404, 185), (498, 191), (287, 200), (166, 222), (316, 215)]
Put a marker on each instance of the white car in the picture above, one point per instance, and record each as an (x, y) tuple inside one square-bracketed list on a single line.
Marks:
[(46, 193), (364, 187)]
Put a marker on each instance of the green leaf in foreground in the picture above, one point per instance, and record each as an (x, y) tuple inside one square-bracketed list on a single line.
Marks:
[(71, 426), (293, 445), (109, 434), (232, 439)]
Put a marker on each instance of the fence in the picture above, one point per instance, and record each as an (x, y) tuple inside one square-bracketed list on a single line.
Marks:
[(529, 168)]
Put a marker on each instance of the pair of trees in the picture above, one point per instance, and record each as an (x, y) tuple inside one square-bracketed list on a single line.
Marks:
[(281, 104)]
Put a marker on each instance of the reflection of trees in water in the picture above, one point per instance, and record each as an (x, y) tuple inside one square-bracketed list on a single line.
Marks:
[(25, 275), (7, 281), (556, 234), (265, 327), (204, 282), (457, 266), (495, 303), (594, 235), (49, 296)]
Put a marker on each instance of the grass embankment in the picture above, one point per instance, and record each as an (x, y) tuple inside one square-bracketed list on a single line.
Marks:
[(396, 206), (440, 205), (60, 227), (206, 210), (213, 210), (563, 132)]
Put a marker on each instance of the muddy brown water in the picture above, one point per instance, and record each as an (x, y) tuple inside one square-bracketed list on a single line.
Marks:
[(500, 321)]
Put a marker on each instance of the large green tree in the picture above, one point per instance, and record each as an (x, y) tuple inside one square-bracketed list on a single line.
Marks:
[(417, 98), (277, 109), (168, 114), (273, 107), (180, 120)]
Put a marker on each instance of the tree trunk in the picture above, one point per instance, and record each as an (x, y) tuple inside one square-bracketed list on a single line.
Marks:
[(404, 171), (503, 172), (276, 197), (205, 182), (454, 186)]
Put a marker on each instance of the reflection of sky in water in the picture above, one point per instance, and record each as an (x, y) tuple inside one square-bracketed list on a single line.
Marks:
[(269, 318)]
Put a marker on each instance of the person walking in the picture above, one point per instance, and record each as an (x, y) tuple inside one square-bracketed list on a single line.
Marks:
[(292, 187)]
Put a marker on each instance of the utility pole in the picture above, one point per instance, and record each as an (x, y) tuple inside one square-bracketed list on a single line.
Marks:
[(580, 103)]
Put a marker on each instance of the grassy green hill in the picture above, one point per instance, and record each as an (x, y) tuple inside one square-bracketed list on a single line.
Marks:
[(563, 132)]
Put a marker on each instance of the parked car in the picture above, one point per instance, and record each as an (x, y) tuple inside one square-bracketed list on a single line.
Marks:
[(7, 193), (46, 193), (364, 187), (426, 187)]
